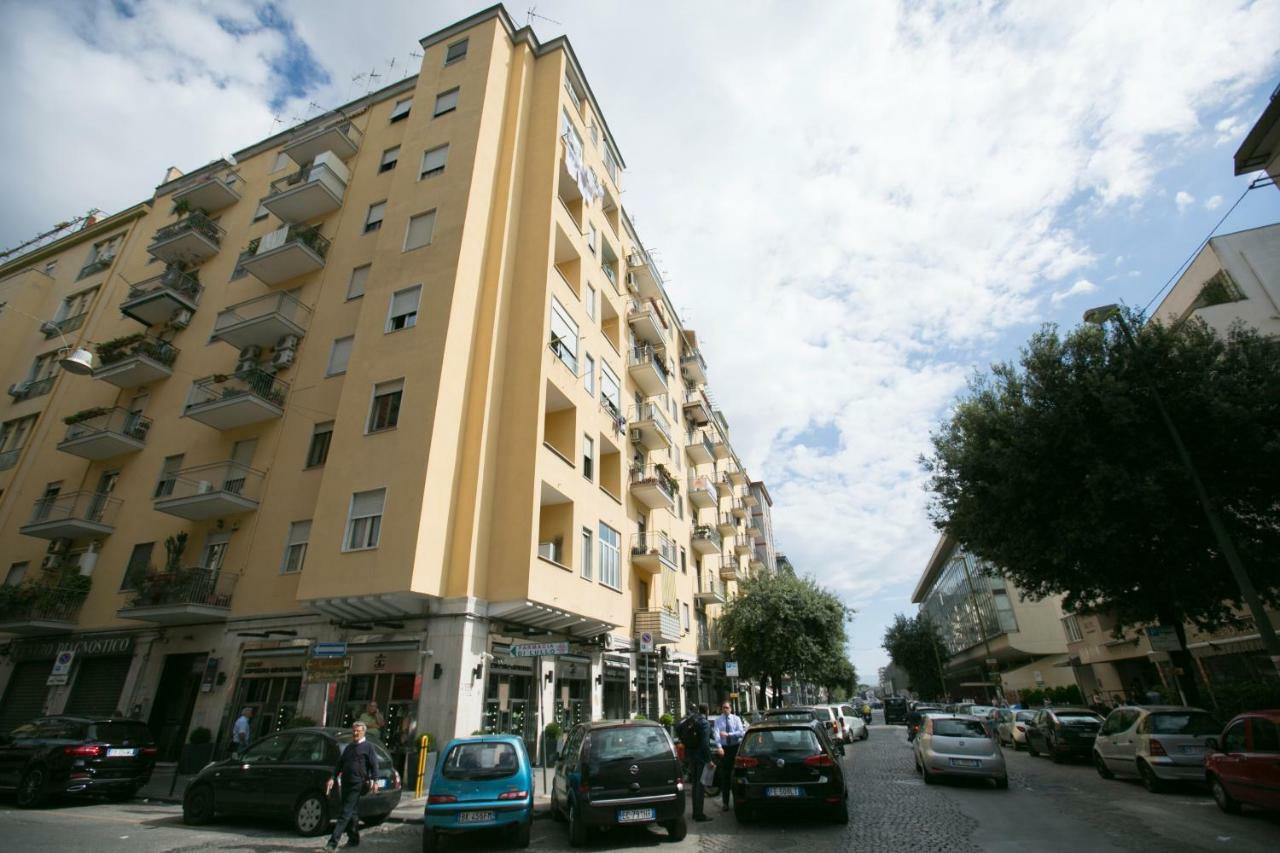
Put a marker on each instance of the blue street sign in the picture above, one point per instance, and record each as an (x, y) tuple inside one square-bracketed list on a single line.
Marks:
[(329, 650)]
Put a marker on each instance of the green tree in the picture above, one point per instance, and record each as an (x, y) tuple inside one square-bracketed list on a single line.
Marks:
[(781, 625), (1060, 473), (914, 645)]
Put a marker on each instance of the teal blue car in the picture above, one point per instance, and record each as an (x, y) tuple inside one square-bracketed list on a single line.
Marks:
[(480, 783)]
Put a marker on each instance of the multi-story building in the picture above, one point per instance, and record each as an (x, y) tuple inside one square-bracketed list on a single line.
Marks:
[(764, 557), (1234, 278), (402, 380), (1261, 146), (989, 628)]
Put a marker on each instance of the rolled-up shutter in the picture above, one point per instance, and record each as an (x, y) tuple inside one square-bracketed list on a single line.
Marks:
[(97, 688), (24, 694)]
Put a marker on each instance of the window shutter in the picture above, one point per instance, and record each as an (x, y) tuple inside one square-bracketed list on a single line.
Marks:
[(433, 161), (405, 301), (367, 503), (420, 230), (401, 108), (359, 276), (446, 101), (300, 532), (391, 155), (375, 213), (340, 355)]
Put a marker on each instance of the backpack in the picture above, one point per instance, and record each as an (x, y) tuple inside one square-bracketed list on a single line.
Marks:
[(690, 733)]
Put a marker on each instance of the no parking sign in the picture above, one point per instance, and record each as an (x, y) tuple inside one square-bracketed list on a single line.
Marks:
[(61, 671)]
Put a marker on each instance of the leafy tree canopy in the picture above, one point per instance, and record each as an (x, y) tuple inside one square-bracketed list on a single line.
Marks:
[(913, 645)]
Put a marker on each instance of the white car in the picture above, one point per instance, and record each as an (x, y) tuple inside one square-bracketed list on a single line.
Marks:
[(1157, 744), (959, 746), (855, 728)]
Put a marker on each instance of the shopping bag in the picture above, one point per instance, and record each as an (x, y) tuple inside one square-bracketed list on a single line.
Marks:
[(709, 774)]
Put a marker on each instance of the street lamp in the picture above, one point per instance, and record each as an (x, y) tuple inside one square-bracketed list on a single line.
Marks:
[(1099, 316)]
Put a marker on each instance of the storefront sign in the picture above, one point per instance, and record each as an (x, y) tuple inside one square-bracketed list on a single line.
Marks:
[(329, 650), (1163, 638), (731, 669), (319, 670), (61, 668), (530, 650), (210, 674), (85, 647)]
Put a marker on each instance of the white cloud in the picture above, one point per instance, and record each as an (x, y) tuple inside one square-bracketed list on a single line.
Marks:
[(1213, 202), (881, 192), (1183, 200)]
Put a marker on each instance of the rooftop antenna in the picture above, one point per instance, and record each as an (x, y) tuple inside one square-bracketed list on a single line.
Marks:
[(314, 106), (533, 13), (274, 121), (373, 75), (413, 54)]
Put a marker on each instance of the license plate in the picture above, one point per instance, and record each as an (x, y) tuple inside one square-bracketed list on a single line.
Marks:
[(783, 792), (1193, 750), (121, 753), (379, 784), (636, 815), (475, 817), (965, 762)]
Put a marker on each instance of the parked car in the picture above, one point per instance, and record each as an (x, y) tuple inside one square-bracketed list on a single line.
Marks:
[(286, 774), (1063, 733), (1155, 743), (802, 713), (952, 745), (1013, 730), (855, 726), (617, 773), (480, 783), (1001, 719), (895, 710), (76, 756), (786, 765), (1243, 765)]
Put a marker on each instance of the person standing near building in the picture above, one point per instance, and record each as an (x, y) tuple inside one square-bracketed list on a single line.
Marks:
[(729, 731), (355, 771), (241, 732), (373, 720), (695, 733)]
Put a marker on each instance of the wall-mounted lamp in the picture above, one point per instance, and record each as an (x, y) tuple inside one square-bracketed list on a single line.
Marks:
[(477, 671), (551, 676), (437, 670), (599, 678), (635, 682)]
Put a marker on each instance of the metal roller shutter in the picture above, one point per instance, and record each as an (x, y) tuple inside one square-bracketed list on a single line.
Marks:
[(24, 696), (96, 692)]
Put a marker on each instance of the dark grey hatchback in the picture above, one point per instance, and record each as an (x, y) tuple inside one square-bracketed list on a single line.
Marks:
[(65, 755)]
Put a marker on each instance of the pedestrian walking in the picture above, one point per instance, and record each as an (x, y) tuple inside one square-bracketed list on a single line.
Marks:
[(355, 771), (241, 731), (696, 735), (729, 731)]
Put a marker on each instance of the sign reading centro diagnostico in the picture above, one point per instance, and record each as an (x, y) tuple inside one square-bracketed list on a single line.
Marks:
[(84, 647)]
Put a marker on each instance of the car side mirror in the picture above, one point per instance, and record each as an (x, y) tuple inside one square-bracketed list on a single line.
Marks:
[(1211, 743)]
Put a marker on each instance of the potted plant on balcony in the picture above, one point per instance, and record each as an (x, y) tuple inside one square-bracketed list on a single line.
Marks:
[(109, 352), (16, 600), (173, 548), (86, 415)]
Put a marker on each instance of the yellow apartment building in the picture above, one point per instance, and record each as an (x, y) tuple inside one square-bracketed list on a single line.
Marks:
[(379, 406)]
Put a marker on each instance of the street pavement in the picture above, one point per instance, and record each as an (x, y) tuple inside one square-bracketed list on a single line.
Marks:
[(1048, 807)]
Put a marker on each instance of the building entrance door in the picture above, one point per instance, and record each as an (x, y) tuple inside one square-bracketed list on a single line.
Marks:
[(175, 697)]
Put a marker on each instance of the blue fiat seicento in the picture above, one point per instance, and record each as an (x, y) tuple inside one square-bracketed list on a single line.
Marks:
[(480, 783)]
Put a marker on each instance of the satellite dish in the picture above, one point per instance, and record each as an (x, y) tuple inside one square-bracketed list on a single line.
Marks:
[(78, 361)]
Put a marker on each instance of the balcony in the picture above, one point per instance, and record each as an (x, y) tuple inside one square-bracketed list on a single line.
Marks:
[(724, 485), (702, 492), (699, 448), (210, 193), (694, 367), (709, 643), (664, 625), (649, 427), (710, 588), (649, 369), (284, 254), (651, 552), (654, 487), (706, 540), (191, 240), (56, 328), (739, 511), (75, 515), (135, 360), (104, 433), (696, 408), (342, 138), (754, 526), (742, 546), (29, 389), (758, 561), (210, 491), (720, 445), (9, 458), (729, 569), (727, 524), (230, 401), (737, 476), (261, 321), (159, 299), (33, 609), (750, 500), (181, 597), (309, 193), (647, 322), (643, 275)]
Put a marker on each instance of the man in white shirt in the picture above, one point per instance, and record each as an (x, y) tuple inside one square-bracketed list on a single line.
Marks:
[(240, 733), (728, 730)]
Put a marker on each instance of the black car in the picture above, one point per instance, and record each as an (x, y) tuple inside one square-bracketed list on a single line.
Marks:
[(54, 756), (1063, 733), (783, 765), (286, 774), (616, 773), (895, 710), (827, 718)]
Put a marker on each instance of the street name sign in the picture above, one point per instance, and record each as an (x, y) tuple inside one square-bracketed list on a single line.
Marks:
[(534, 650)]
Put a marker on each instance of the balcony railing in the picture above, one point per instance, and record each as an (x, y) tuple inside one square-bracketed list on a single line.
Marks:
[(650, 357), (33, 602), (194, 586), (306, 235), (708, 533), (222, 386), (261, 321), (694, 365), (9, 458), (94, 508), (342, 138), (655, 475), (284, 254), (654, 543), (194, 222), (709, 640), (651, 413), (312, 191), (105, 422), (173, 280), (95, 265), (29, 389), (710, 587), (54, 328), (122, 349), (228, 478)]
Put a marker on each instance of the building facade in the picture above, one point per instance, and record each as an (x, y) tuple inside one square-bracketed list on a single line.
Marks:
[(402, 380), (1261, 146), (1234, 278)]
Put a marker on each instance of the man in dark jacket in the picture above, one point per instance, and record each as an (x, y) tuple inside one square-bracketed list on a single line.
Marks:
[(356, 770), (699, 752)]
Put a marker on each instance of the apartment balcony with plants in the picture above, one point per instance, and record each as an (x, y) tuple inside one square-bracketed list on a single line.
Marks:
[(134, 360), (340, 139), (104, 433), (209, 193), (74, 515), (710, 588), (706, 540), (181, 596), (650, 369), (63, 325), (315, 190), (649, 426), (50, 605), (261, 321), (171, 297), (651, 552), (284, 254), (209, 491), (191, 240), (710, 645), (654, 486), (228, 401)]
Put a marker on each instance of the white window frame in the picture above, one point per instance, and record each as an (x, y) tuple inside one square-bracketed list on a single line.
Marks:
[(425, 172), (431, 230), (437, 111), (570, 344), (373, 400), (589, 299), (401, 110), (589, 374), (589, 458), (372, 533), (292, 545), (335, 350), (449, 59), (610, 557), (588, 549), (411, 316), (606, 373)]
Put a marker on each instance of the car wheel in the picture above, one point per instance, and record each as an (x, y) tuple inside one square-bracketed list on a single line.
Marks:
[(841, 813), (31, 789), (1220, 796), (311, 815), (1002, 784), (1150, 780), (1101, 766), (524, 831), (197, 806), (1055, 756), (577, 829), (374, 820), (677, 829), (557, 813), (866, 733), (430, 840), (929, 778)]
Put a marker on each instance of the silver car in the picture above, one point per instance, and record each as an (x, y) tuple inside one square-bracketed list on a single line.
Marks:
[(1155, 743), (950, 745), (1013, 728)]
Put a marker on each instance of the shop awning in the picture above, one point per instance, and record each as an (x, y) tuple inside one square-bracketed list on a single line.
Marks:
[(356, 608), (542, 617)]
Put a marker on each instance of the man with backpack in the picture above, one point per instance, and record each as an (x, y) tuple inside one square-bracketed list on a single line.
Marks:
[(694, 732)]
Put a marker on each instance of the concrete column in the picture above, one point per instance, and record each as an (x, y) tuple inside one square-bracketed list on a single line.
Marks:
[(595, 672), (452, 704)]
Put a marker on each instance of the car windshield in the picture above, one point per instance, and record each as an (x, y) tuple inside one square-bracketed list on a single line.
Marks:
[(981, 710), (117, 732), (959, 728), (1025, 716), (483, 760), (629, 743), (771, 741), (1185, 723), (1078, 718)]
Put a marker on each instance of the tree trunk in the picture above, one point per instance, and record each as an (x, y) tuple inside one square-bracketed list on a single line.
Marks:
[(1182, 659)]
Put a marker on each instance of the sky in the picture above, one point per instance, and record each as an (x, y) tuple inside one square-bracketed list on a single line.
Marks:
[(855, 204)]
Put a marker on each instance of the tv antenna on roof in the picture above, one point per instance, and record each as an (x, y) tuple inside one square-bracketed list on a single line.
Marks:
[(533, 13)]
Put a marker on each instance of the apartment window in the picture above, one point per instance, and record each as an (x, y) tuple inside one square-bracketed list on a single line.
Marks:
[(401, 110), (355, 287), (364, 521), (610, 164), (588, 548), (295, 549), (455, 52), (593, 237), (609, 539), (50, 266), (567, 128), (373, 219), (282, 160), (18, 571), (589, 374), (136, 568), (385, 411), (13, 437), (589, 302), (588, 458), (403, 313), (684, 614), (564, 335), (339, 355), (261, 213), (420, 229), (609, 387), (433, 161), (684, 560), (389, 159), (168, 475), (446, 102), (318, 452), (1071, 627)]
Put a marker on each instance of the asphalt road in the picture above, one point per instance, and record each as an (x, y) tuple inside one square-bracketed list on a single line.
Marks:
[(1048, 807)]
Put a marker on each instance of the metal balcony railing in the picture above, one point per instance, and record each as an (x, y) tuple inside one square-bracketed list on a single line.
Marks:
[(647, 355), (651, 412), (38, 602), (280, 303), (173, 280), (653, 542), (122, 349), (116, 420), (694, 357), (30, 388), (193, 221), (222, 386), (306, 235), (709, 581), (54, 328), (701, 437), (97, 507), (709, 533), (230, 477), (656, 474), (201, 586), (9, 458)]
